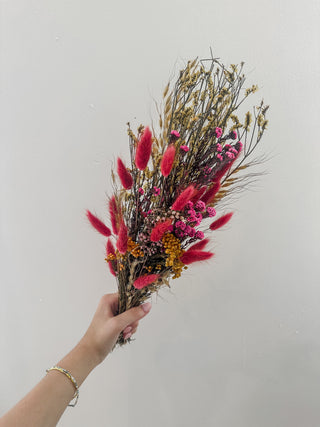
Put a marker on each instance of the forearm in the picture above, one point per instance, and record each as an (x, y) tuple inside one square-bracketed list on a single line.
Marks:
[(46, 402)]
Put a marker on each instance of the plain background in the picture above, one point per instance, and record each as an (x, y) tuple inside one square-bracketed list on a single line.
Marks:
[(235, 342)]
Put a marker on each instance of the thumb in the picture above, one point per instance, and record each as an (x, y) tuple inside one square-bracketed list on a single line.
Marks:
[(132, 315)]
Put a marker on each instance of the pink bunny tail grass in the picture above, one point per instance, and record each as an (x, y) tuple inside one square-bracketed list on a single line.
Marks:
[(220, 222), (110, 248), (144, 149), (223, 171), (111, 269), (195, 255), (124, 175), (111, 251), (98, 224), (183, 199), (159, 230), (167, 160), (143, 281), (200, 245), (211, 192), (113, 211), (198, 194), (122, 242)]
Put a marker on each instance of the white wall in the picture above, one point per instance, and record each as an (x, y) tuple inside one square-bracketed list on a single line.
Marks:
[(236, 341)]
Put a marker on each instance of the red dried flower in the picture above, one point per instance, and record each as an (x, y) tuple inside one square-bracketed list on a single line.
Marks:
[(122, 242), (199, 245), (113, 210), (144, 149), (159, 230), (183, 199), (111, 269), (220, 222), (98, 224), (211, 192), (110, 248), (198, 194), (124, 175), (167, 160), (143, 281), (191, 256)]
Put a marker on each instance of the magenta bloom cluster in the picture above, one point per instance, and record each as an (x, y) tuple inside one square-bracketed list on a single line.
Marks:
[(193, 215)]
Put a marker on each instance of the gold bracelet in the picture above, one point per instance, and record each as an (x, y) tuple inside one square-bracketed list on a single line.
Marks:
[(64, 371)]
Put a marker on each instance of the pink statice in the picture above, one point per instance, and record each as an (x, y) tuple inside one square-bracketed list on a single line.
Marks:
[(233, 135), (181, 225), (199, 235), (141, 191), (189, 205), (230, 155), (188, 229), (211, 211), (175, 134), (192, 232), (219, 148), (198, 218), (200, 206), (184, 148), (192, 215), (219, 157), (218, 132), (156, 191)]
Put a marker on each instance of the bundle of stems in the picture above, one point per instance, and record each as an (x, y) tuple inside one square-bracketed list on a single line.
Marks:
[(163, 212)]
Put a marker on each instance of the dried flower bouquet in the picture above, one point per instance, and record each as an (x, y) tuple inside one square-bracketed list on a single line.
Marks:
[(165, 209)]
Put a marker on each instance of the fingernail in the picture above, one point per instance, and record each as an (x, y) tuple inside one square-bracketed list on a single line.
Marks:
[(146, 307), (127, 329), (126, 336)]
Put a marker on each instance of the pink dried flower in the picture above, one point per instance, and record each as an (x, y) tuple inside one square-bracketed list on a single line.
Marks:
[(192, 232), (218, 132), (200, 206), (183, 199), (199, 234), (211, 192), (110, 248), (159, 230), (180, 224), (167, 160), (125, 176), (143, 281), (220, 222), (219, 148), (113, 211), (198, 194), (189, 205), (98, 224), (122, 242), (199, 245), (156, 191), (219, 157), (144, 149), (141, 190), (191, 256), (211, 211), (184, 148), (233, 135), (175, 134)]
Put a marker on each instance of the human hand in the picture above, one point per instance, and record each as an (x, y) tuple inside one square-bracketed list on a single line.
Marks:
[(106, 325)]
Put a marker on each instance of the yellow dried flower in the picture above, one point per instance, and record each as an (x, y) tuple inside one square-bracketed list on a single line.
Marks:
[(173, 250), (134, 248)]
